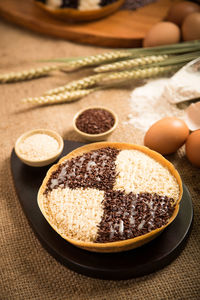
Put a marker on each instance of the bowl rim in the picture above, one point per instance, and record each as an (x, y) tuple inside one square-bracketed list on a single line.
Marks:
[(35, 162), (96, 135), (108, 246), (82, 15)]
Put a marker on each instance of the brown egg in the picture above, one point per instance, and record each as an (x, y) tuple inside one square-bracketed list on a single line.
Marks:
[(162, 33), (166, 135), (191, 27), (192, 148), (179, 11)]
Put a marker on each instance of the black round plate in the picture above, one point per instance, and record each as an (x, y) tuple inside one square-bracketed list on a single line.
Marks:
[(141, 261)]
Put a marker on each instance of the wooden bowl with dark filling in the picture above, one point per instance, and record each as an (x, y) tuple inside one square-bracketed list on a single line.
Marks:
[(75, 15)]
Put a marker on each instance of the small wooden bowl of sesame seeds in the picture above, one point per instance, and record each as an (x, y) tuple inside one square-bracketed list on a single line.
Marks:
[(95, 123), (39, 147)]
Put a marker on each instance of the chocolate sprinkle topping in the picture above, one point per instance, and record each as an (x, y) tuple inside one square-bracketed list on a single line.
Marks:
[(95, 169), (128, 215), (125, 216)]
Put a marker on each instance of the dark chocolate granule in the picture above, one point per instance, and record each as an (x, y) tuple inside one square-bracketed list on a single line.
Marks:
[(129, 215), (70, 4), (106, 2), (95, 169), (95, 120)]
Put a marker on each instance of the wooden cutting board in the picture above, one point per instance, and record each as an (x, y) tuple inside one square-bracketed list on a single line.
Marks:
[(122, 29)]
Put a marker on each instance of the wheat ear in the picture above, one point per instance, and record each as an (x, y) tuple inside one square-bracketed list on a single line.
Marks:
[(114, 78), (131, 63), (27, 75), (80, 84), (95, 60), (60, 98)]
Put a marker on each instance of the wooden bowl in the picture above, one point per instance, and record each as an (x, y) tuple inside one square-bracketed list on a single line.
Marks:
[(100, 136), (39, 162), (75, 15), (124, 245)]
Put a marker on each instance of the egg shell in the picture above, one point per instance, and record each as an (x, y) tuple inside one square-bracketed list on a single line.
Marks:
[(191, 27), (179, 11), (192, 148), (166, 135), (193, 116), (162, 33)]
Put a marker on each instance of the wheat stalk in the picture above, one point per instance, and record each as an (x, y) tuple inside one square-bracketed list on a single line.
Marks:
[(131, 63), (108, 80), (27, 75), (184, 47), (116, 77), (94, 80), (179, 59), (104, 58), (68, 96), (68, 66), (80, 84), (94, 60)]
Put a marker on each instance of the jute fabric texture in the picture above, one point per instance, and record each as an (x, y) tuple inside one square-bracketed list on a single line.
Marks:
[(27, 271)]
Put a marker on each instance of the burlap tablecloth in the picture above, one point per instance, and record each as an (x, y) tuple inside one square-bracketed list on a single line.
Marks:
[(27, 271)]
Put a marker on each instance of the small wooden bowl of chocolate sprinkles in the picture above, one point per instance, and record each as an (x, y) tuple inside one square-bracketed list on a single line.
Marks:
[(95, 123)]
